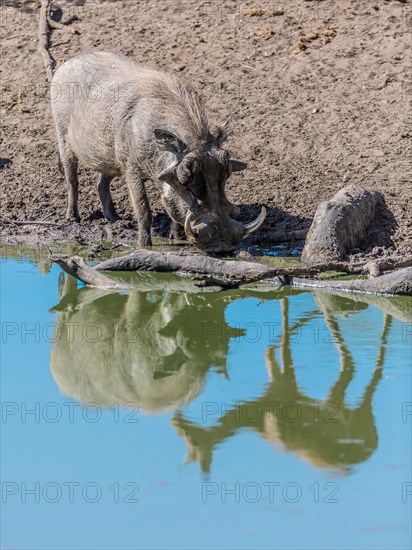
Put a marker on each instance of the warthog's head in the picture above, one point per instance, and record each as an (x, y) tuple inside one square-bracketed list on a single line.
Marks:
[(195, 194)]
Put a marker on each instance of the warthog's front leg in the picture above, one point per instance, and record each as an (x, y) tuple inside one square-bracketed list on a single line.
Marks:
[(176, 232), (141, 206), (103, 187)]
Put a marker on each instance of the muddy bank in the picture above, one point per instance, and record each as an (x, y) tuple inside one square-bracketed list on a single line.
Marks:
[(317, 91)]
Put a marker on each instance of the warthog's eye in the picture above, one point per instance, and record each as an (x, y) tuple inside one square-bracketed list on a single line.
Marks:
[(195, 166), (188, 169)]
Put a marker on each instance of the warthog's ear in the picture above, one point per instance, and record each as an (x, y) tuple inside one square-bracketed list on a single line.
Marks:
[(221, 133), (237, 165), (166, 141)]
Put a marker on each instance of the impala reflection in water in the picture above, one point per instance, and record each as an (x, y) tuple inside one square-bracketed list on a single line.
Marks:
[(151, 349)]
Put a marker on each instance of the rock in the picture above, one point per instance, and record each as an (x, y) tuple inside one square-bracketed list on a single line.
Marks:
[(341, 224)]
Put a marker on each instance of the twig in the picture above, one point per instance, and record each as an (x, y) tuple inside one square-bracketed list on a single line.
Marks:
[(13, 36), (63, 43), (29, 222)]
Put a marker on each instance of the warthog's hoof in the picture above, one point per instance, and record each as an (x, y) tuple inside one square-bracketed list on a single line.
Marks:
[(72, 217), (112, 216), (144, 239), (177, 232)]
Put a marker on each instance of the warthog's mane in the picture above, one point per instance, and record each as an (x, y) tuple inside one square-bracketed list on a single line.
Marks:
[(183, 105), (173, 97)]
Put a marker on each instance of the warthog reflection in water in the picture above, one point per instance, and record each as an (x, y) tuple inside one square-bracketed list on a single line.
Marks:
[(143, 348), (151, 349)]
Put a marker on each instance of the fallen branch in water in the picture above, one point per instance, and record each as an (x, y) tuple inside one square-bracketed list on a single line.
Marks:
[(226, 273), (78, 268), (376, 267)]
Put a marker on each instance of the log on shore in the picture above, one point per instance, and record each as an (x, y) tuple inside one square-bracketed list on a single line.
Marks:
[(147, 260), (397, 282), (341, 224), (224, 273)]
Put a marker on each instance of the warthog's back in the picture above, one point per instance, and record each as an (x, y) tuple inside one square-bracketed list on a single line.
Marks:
[(94, 94)]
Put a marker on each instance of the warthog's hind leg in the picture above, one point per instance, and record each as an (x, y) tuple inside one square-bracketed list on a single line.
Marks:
[(70, 166), (141, 206), (103, 187)]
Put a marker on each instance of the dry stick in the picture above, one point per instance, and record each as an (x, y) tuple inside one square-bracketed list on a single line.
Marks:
[(29, 222), (43, 37), (13, 36), (46, 23)]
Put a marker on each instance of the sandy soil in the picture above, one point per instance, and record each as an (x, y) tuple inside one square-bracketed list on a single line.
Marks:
[(318, 92)]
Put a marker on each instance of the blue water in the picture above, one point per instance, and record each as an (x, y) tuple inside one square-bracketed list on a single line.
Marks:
[(212, 425)]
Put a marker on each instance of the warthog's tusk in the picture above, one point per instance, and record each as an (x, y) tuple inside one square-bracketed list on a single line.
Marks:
[(252, 226), (188, 227)]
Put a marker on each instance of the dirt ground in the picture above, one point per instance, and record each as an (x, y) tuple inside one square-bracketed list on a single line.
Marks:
[(318, 93)]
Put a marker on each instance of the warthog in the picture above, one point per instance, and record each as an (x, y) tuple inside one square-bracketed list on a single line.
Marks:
[(117, 117)]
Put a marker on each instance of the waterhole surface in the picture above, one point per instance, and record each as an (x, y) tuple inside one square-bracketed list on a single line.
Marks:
[(174, 419)]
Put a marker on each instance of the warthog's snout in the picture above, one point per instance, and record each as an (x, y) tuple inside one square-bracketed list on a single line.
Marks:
[(218, 233)]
